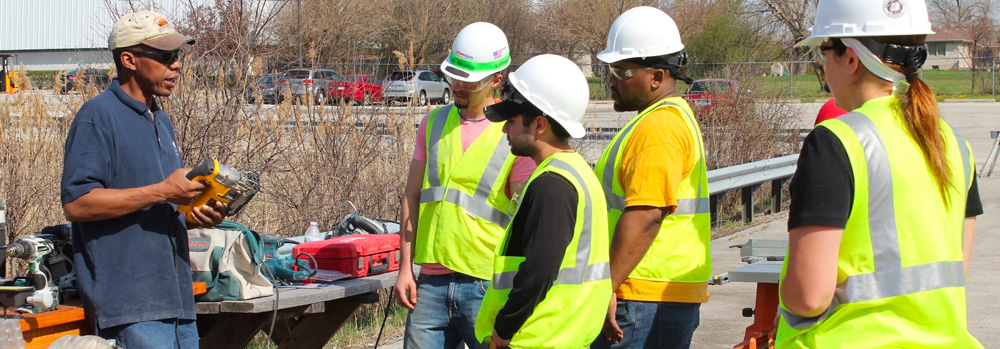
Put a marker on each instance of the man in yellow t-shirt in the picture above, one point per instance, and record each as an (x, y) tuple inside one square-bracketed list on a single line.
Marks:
[(654, 177)]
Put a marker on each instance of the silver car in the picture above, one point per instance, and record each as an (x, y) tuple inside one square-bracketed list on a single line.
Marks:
[(308, 82), (420, 85)]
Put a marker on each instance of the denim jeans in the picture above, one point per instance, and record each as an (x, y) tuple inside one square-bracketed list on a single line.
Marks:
[(445, 313), (161, 334), (654, 325)]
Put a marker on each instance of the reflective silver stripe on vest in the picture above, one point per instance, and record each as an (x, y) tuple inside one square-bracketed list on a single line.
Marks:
[(477, 204), (964, 149), (437, 129), (580, 272), (617, 202), (692, 206), (881, 209), (889, 279)]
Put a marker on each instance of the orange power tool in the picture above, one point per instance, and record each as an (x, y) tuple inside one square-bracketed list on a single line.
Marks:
[(226, 185)]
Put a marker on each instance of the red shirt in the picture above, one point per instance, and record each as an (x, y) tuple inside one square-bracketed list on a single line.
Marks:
[(829, 110)]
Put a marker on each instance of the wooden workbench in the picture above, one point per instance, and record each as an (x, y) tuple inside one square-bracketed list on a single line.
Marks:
[(305, 318)]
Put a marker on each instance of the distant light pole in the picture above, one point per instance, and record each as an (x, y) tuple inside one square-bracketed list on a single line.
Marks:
[(298, 26)]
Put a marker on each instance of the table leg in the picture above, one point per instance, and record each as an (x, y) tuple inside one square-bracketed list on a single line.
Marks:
[(315, 330), (232, 330)]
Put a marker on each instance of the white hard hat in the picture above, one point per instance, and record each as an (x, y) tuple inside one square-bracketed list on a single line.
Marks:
[(641, 32), (860, 18), (479, 50), (553, 84)]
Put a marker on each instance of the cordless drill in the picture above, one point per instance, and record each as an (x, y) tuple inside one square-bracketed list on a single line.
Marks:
[(226, 185), (33, 249)]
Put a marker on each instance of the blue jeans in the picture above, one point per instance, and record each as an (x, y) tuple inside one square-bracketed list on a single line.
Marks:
[(445, 313), (168, 333), (654, 325)]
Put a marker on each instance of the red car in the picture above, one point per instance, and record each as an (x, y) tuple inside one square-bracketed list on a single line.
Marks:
[(705, 94), (362, 89)]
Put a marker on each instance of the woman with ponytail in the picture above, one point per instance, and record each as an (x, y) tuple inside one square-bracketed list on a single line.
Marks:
[(884, 199)]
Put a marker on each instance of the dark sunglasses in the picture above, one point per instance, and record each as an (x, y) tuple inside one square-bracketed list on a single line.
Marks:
[(165, 57)]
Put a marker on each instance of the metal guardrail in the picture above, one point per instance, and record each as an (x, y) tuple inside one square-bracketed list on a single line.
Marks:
[(747, 178)]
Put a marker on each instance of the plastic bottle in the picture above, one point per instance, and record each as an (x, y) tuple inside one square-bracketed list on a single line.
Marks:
[(312, 233), (10, 334)]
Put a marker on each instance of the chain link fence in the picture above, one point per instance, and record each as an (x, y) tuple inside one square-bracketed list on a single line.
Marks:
[(778, 79)]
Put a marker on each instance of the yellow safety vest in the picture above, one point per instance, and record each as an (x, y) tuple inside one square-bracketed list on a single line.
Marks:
[(900, 275), (680, 252), (463, 207), (572, 313)]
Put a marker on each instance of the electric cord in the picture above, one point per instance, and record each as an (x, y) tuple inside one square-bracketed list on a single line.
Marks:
[(177, 332), (314, 265), (274, 311), (385, 317)]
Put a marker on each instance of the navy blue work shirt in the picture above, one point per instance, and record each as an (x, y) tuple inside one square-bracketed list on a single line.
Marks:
[(136, 267)]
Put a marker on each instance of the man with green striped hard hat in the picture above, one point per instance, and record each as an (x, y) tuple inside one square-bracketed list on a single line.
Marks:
[(461, 182)]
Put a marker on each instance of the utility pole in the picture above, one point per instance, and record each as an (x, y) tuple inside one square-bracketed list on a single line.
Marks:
[(298, 26)]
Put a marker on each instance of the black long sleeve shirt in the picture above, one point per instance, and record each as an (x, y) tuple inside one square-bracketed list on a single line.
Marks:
[(540, 231)]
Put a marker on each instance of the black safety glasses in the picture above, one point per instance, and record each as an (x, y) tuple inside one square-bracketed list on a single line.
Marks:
[(165, 57), (836, 45)]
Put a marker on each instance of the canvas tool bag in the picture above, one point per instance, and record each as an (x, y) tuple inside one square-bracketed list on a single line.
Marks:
[(228, 259)]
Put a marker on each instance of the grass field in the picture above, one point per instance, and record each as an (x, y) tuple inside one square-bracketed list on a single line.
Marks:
[(946, 84)]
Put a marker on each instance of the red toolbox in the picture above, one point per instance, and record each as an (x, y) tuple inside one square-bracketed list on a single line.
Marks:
[(355, 255)]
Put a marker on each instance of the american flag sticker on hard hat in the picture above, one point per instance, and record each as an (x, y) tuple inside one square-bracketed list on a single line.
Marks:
[(498, 54)]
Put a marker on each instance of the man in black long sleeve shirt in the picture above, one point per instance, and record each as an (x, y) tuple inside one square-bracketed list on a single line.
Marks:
[(534, 235), (551, 278)]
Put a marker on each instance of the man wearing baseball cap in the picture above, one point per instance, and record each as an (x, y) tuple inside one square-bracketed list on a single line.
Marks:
[(123, 178)]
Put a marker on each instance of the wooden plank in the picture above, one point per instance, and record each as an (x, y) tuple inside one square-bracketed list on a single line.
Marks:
[(233, 330), (296, 297), (315, 330), (206, 308), (63, 315), (40, 330), (43, 337)]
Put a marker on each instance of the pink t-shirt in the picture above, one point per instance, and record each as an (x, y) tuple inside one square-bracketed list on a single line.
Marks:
[(519, 172)]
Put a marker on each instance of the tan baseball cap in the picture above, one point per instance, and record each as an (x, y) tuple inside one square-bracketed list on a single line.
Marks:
[(149, 28)]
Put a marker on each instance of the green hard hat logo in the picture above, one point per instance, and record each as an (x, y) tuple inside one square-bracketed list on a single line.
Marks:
[(502, 58)]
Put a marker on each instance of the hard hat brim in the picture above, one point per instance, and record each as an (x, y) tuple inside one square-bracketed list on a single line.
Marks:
[(502, 111), (607, 56), (812, 40)]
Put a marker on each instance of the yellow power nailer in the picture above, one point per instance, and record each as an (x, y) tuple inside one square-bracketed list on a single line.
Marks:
[(226, 185)]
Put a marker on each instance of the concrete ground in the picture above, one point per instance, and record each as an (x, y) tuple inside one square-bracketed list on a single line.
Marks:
[(722, 323)]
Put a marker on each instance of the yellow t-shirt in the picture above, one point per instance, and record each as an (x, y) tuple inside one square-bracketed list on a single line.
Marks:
[(656, 159)]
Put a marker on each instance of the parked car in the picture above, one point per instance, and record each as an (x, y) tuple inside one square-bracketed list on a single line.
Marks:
[(362, 89), (420, 85), (308, 82), (266, 87), (705, 94), (96, 77)]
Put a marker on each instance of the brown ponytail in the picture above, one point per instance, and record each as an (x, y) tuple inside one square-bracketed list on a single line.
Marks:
[(922, 117)]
